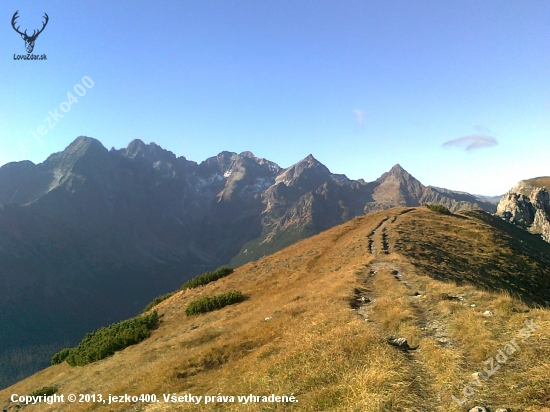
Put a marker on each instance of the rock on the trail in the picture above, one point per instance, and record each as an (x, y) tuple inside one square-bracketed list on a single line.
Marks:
[(516, 310), (478, 409), (400, 343)]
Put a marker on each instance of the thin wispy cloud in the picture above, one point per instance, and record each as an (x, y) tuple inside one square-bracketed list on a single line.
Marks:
[(472, 142), (360, 118)]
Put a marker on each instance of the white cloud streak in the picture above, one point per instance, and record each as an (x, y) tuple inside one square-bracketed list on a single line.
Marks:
[(360, 119), (472, 142)]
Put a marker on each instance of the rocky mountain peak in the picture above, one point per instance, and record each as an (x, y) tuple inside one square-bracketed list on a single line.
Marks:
[(84, 145), (397, 172), (247, 154), (309, 162), (308, 171), (151, 152), (397, 188), (83, 150), (397, 169)]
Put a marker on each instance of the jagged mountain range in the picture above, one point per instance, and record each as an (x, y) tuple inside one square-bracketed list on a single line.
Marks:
[(90, 235), (143, 202)]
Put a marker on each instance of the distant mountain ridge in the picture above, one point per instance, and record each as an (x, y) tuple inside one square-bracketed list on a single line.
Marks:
[(90, 235)]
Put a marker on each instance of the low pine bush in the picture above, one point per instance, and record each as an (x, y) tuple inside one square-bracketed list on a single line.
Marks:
[(208, 304), (60, 356), (206, 277), (438, 208), (45, 391), (197, 281), (105, 342)]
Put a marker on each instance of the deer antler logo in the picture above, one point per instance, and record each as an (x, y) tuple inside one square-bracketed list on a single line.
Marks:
[(29, 40)]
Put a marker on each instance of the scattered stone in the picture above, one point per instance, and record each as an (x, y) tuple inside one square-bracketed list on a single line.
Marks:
[(394, 272), (268, 318), (502, 410), (488, 313), (516, 310), (442, 341), (418, 293), (452, 297), (478, 409), (473, 305), (194, 327), (400, 343)]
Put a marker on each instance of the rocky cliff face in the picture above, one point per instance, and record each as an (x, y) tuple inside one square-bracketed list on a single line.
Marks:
[(528, 205)]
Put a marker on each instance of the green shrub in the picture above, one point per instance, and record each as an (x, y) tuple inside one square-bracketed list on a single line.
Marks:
[(157, 300), (208, 304), (206, 277), (197, 281), (438, 208), (60, 356), (45, 391), (106, 341)]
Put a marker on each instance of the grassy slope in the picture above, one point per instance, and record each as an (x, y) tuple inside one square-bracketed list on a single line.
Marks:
[(315, 346)]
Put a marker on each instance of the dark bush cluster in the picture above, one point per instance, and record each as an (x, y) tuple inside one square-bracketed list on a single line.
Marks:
[(208, 304), (106, 341), (206, 277), (197, 281), (45, 391), (60, 356), (438, 208)]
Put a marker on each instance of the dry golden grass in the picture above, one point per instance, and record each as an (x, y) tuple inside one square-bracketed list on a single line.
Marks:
[(297, 334)]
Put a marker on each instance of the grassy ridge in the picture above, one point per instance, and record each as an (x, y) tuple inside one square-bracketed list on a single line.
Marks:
[(438, 208), (296, 333)]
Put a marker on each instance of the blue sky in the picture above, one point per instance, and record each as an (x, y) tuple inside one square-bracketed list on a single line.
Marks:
[(361, 85)]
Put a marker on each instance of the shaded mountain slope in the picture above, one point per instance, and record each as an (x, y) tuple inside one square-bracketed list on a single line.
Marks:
[(319, 315), (91, 235)]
